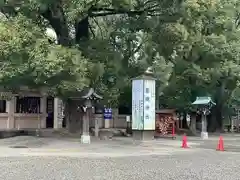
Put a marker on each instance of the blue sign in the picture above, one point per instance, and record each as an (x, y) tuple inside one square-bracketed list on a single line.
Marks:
[(107, 113)]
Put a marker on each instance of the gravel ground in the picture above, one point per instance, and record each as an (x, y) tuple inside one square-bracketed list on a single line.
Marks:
[(118, 160), (190, 166)]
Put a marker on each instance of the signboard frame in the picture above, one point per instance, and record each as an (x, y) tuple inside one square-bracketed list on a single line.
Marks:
[(143, 104), (137, 105)]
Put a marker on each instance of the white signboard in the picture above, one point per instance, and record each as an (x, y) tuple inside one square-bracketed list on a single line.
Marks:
[(137, 105), (149, 105)]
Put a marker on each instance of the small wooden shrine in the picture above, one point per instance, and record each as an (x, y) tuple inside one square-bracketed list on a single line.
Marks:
[(166, 121)]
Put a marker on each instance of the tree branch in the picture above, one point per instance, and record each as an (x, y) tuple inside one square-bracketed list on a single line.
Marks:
[(92, 31), (98, 26), (237, 20), (96, 12), (7, 10)]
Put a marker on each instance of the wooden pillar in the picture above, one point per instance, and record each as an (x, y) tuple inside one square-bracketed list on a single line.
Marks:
[(56, 113), (43, 111), (10, 109)]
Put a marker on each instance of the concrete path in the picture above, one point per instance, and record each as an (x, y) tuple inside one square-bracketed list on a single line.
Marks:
[(33, 146)]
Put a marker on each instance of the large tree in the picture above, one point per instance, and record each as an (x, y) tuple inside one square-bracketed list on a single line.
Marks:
[(102, 44), (192, 47), (207, 56), (111, 52)]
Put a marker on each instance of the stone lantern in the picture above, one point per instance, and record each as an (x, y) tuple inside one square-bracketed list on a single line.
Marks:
[(89, 100), (143, 106), (204, 104)]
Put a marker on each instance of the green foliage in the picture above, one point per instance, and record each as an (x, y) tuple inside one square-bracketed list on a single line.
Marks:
[(192, 47), (28, 59), (206, 44)]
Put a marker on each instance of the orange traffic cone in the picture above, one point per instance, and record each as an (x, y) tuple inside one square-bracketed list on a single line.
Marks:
[(184, 142), (220, 146)]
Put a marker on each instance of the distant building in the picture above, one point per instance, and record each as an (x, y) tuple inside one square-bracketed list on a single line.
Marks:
[(29, 109)]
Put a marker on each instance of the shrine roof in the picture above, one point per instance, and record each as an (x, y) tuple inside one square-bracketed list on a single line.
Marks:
[(203, 101), (85, 93)]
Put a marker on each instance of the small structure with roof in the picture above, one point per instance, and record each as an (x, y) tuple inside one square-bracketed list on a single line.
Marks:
[(85, 101), (205, 101), (204, 106)]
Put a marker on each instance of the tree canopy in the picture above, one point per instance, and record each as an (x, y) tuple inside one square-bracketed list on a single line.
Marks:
[(28, 59), (193, 47)]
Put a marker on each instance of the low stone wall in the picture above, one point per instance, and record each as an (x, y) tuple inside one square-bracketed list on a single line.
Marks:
[(12, 133), (27, 132), (118, 121)]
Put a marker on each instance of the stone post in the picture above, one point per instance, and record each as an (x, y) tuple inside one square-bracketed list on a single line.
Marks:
[(204, 133), (85, 138), (107, 123), (115, 113)]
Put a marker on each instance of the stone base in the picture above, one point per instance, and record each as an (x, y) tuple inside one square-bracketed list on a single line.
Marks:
[(143, 135), (107, 123), (85, 139), (204, 135)]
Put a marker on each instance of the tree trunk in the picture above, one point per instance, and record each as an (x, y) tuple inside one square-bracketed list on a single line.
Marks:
[(74, 117), (55, 15), (216, 124), (219, 117), (82, 30), (193, 124), (75, 122)]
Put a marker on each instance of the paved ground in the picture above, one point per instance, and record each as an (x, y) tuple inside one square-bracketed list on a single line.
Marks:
[(119, 159)]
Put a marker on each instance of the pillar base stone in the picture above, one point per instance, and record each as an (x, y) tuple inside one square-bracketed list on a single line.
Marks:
[(204, 135), (143, 135), (85, 139)]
